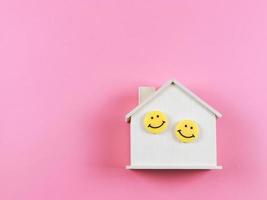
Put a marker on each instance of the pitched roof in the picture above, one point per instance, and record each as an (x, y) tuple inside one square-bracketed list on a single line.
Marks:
[(181, 87)]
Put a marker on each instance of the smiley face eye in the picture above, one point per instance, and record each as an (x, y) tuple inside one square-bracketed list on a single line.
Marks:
[(157, 116), (185, 125), (191, 127), (152, 117)]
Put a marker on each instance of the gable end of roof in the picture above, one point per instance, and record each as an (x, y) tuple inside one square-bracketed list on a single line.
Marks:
[(181, 87)]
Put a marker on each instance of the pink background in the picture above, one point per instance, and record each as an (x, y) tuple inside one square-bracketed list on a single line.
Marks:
[(70, 72)]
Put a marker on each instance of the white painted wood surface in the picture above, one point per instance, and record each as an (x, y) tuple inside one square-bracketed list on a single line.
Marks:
[(173, 167), (164, 151), (145, 92)]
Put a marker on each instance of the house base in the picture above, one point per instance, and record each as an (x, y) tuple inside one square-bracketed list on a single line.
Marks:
[(183, 167)]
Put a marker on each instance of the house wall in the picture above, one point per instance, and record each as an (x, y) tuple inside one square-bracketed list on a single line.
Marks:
[(165, 148)]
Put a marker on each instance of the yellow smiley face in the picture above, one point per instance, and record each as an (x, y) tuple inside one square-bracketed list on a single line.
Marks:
[(187, 131), (155, 122)]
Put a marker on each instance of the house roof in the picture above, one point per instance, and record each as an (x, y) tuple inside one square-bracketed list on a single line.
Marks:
[(179, 86)]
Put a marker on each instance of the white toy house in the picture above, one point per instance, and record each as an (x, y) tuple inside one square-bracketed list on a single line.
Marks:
[(172, 128)]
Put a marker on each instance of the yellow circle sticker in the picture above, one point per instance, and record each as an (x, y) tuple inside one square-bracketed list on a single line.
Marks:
[(155, 122), (187, 131)]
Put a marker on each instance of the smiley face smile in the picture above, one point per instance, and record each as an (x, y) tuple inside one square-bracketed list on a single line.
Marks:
[(180, 131), (156, 126)]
